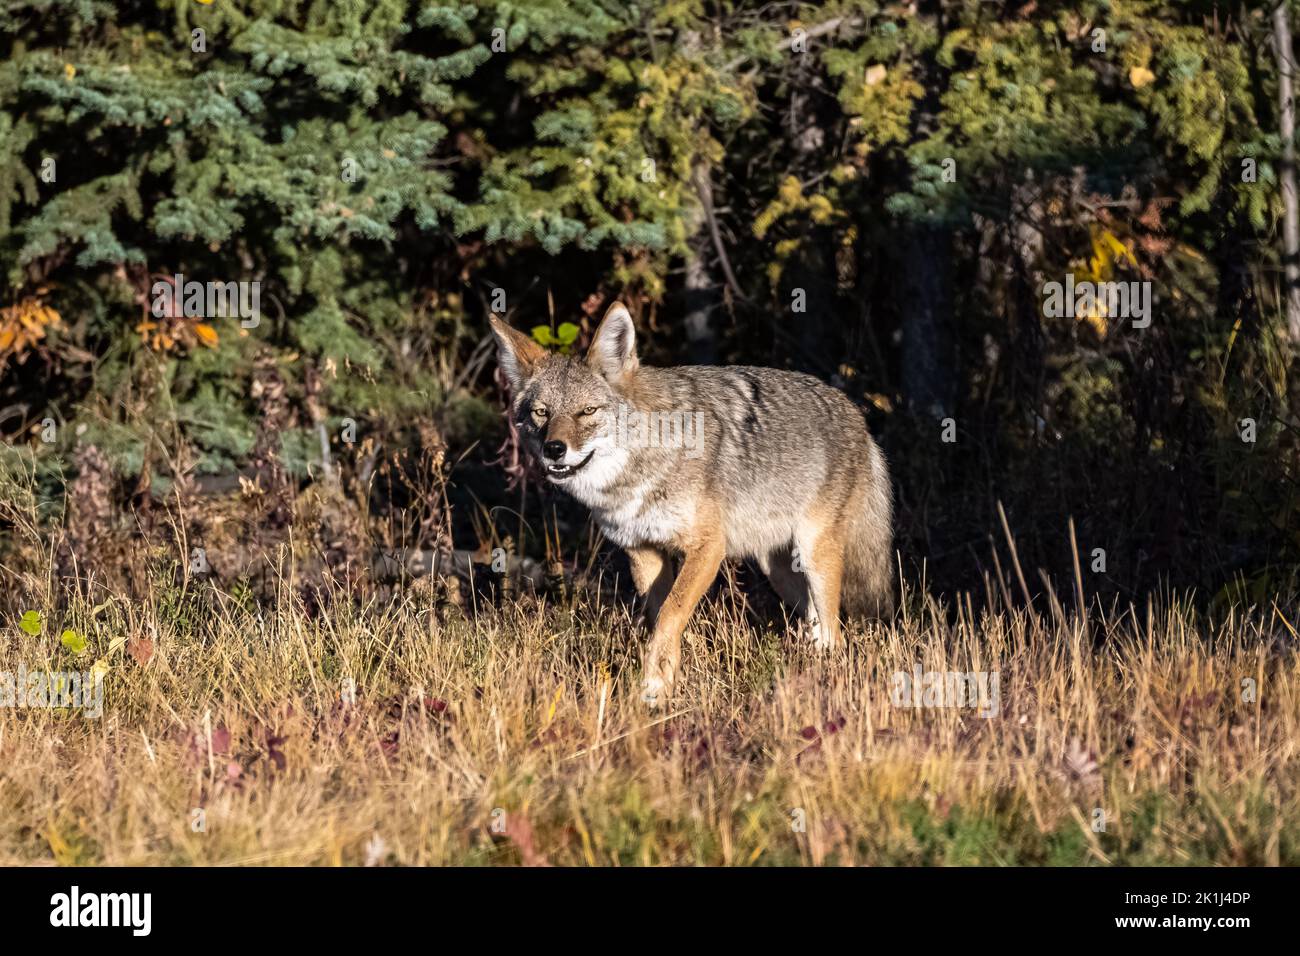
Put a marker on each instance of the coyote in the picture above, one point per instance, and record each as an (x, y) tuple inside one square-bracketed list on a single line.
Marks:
[(707, 463)]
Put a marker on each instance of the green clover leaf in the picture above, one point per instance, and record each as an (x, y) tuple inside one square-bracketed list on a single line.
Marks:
[(73, 641), (562, 338)]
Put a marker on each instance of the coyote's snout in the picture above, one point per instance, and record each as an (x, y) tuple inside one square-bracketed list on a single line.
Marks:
[(701, 464)]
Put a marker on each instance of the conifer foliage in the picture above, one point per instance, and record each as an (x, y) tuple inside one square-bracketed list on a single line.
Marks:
[(914, 175)]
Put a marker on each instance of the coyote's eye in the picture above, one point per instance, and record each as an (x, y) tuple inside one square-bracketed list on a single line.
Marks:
[(589, 410), (540, 413)]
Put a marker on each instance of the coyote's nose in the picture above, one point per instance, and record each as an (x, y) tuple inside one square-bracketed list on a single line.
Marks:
[(554, 449)]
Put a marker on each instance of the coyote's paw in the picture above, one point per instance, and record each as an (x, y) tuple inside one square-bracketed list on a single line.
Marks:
[(823, 639), (654, 691), (812, 633)]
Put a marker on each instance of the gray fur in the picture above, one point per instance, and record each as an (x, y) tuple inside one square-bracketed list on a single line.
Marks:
[(775, 447)]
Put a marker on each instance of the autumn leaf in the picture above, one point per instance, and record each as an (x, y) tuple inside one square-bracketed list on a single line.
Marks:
[(220, 740), (31, 622), (1140, 76), (24, 324), (206, 333), (555, 703), (140, 648)]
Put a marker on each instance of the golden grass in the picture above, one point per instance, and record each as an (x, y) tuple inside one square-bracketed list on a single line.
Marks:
[(398, 730), (517, 736)]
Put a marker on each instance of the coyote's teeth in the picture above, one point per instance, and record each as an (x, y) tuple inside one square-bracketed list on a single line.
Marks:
[(565, 471)]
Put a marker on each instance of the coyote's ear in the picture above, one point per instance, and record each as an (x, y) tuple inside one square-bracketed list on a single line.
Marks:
[(613, 348), (518, 354)]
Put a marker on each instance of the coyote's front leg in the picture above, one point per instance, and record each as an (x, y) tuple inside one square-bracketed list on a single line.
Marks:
[(663, 654), (652, 573)]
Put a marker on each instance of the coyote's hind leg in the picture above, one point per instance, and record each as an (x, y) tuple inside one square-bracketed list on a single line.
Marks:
[(821, 553)]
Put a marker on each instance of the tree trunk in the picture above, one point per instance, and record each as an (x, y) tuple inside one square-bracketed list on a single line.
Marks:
[(1291, 210), (812, 268), (928, 385), (701, 295)]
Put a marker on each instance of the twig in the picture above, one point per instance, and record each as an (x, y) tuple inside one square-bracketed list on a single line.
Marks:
[(1015, 560), (604, 743), (704, 188)]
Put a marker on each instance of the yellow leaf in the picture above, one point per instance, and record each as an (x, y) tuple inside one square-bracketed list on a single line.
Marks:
[(62, 851), (1098, 323), (555, 702), (69, 70), (206, 333), (1140, 76)]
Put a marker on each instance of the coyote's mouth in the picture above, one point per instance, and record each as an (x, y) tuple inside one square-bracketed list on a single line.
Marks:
[(561, 472)]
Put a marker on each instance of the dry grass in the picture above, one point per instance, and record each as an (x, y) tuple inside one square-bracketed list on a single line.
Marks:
[(526, 721), (515, 735)]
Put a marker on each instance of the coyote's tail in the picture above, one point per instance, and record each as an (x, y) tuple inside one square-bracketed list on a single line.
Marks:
[(868, 588)]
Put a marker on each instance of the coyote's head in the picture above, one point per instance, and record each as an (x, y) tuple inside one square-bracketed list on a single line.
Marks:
[(566, 406)]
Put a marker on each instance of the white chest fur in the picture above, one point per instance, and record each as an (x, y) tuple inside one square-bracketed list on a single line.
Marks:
[(628, 513), (635, 521)]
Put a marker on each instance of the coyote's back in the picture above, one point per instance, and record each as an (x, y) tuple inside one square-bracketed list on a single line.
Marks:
[(778, 445)]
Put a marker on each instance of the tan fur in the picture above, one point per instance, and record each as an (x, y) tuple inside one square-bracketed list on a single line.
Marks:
[(752, 463), (652, 575), (703, 552)]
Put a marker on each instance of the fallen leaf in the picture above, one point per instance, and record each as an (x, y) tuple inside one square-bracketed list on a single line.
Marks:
[(140, 648), (220, 740), (519, 831)]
